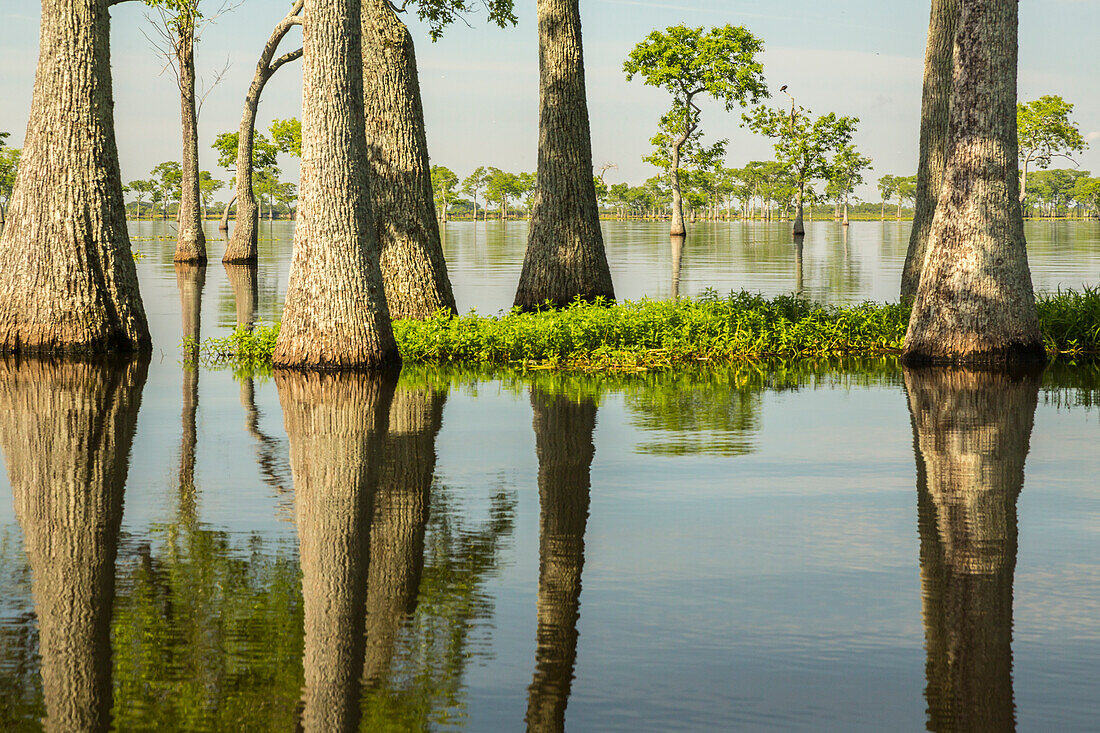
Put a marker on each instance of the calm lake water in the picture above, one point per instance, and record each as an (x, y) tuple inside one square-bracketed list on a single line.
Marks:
[(833, 546)]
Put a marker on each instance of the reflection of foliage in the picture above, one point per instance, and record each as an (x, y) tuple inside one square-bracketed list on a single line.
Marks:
[(696, 417), (20, 683), (425, 683), (207, 635)]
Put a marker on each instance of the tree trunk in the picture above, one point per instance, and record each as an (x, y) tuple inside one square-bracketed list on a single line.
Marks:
[(845, 221), (677, 252), (939, 66), (67, 278), (66, 429), (563, 439), (413, 267), (223, 225), (799, 227), (190, 240), (336, 424), (565, 257), (336, 315), (242, 245), (1023, 179), (971, 432), (975, 302), (400, 521), (678, 228)]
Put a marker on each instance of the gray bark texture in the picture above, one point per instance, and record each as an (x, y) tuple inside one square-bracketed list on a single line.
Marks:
[(336, 424), (975, 303), (563, 439), (971, 433), (223, 223), (67, 279), (939, 68), (190, 240), (336, 315), (400, 521), (565, 257), (242, 243), (66, 430), (413, 268)]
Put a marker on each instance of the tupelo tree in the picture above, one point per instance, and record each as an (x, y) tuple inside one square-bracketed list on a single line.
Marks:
[(1046, 132), (242, 244), (68, 284), (565, 258), (975, 303), (804, 144), (690, 63)]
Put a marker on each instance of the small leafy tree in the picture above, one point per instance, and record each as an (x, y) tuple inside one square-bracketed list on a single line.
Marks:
[(141, 188), (207, 186), (474, 183), (501, 188), (168, 177), (803, 143), (847, 172), (1045, 132), (690, 63), (444, 182), (9, 166), (887, 185), (264, 152)]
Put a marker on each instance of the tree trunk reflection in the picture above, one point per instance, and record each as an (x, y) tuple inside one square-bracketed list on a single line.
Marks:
[(563, 438), (336, 424), (400, 521), (971, 432), (190, 280), (66, 430)]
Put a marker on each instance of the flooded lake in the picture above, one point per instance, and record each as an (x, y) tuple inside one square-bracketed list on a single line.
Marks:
[(825, 546)]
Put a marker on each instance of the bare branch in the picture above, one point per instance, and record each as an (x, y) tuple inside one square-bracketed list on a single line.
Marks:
[(218, 76)]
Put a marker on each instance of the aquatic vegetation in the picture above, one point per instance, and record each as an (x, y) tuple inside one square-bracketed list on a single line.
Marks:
[(650, 334)]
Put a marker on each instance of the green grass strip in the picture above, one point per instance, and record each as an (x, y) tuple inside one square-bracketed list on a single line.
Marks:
[(650, 334)]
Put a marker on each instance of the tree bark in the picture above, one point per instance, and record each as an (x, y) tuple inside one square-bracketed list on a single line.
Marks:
[(975, 302), (336, 424), (413, 267), (939, 67), (67, 279), (223, 225), (676, 250), (336, 315), (799, 228), (242, 244), (565, 257), (66, 430), (190, 240), (971, 432), (563, 439), (400, 521)]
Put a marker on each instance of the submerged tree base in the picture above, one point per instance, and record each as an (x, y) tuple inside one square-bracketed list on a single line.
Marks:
[(663, 334)]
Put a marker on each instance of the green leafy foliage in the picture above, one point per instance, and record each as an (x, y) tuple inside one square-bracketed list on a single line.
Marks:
[(805, 144), (286, 135), (264, 152), (664, 334), (1045, 130)]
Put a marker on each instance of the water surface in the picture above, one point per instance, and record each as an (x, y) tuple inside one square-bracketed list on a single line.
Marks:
[(831, 546)]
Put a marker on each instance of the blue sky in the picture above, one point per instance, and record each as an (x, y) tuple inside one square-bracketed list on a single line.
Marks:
[(480, 83)]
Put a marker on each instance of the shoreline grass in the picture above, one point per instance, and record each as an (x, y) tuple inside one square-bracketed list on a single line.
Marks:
[(648, 334)]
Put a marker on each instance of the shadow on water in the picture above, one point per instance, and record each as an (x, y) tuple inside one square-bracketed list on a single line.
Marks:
[(563, 440), (971, 433), (66, 432)]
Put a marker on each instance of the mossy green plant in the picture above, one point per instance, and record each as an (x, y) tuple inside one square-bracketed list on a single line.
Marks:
[(650, 334)]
